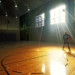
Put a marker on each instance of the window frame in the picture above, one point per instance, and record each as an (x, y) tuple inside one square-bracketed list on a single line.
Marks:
[(39, 20), (58, 20)]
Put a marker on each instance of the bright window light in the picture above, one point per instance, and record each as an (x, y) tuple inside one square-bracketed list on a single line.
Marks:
[(57, 15), (39, 20)]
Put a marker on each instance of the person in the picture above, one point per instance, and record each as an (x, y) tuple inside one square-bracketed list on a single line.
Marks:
[(66, 39)]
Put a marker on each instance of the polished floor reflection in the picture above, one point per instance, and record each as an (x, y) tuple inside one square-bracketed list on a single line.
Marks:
[(33, 59)]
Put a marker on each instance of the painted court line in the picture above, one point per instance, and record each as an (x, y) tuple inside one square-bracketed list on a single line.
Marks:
[(38, 73), (17, 72), (0, 70)]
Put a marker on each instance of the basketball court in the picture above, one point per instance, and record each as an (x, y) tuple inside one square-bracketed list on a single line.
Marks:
[(27, 58)]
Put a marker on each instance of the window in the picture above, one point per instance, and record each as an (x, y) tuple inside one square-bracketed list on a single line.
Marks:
[(39, 20), (74, 8), (57, 15)]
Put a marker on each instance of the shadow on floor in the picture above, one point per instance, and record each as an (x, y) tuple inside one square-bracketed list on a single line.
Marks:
[(70, 54)]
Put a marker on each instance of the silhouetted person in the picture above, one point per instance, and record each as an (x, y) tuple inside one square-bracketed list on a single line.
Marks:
[(66, 39)]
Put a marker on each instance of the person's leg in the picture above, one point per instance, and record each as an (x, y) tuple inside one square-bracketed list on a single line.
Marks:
[(63, 45), (68, 46)]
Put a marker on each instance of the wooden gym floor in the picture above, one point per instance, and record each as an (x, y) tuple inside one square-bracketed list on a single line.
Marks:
[(24, 58)]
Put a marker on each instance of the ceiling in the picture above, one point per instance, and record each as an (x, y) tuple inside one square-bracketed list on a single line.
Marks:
[(8, 6)]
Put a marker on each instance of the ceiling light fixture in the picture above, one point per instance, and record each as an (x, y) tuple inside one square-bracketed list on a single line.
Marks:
[(0, 1), (16, 6), (16, 17), (6, 15), (28, 9)]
